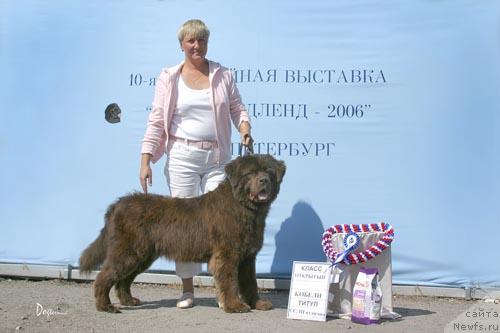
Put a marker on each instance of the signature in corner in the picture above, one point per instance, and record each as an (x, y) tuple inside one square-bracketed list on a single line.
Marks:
[(47, 312)]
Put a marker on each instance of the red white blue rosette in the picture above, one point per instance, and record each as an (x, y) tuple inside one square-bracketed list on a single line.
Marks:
[(349, 229)]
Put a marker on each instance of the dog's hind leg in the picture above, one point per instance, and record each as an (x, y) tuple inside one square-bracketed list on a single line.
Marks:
[(102, 285), (122, 287), (248, 285), (224, 267), (123, 293), (115, 269)]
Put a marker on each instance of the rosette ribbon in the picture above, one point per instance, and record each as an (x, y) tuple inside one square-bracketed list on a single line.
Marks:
[(351, 241)]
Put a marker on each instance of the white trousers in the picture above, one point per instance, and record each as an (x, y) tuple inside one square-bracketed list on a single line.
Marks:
[(190, 172)]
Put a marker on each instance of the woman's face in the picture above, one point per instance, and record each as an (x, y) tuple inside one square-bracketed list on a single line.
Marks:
[(195, 49)]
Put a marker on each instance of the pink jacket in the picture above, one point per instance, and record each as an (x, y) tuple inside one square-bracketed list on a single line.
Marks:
[(225, 100)]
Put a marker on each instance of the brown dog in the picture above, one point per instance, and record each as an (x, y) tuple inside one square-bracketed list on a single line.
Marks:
[(224, 227)]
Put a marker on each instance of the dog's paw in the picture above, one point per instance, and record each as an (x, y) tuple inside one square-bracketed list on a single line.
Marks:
[(263, 304), (132, 301), (236, 307), (110, 308)]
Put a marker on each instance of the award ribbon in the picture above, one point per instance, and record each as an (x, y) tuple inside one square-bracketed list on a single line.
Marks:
[(351, 240)]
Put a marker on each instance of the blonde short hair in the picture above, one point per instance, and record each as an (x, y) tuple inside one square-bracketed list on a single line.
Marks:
[(193, 28)]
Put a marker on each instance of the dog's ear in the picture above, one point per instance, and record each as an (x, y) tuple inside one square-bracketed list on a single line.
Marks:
[(280, 170), (278, 166)]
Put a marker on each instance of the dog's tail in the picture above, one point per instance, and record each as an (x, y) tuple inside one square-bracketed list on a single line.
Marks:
[(95, 253)]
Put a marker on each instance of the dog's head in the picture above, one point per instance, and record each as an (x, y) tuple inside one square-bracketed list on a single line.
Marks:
[(255, 179)]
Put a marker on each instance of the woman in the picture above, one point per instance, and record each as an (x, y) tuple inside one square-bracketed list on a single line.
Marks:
[(193, 106)]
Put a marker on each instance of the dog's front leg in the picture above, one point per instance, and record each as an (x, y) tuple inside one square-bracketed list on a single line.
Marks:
[(224, 267), (248, 285)]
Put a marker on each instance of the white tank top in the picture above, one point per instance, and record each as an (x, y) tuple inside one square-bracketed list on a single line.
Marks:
[(193, 118)]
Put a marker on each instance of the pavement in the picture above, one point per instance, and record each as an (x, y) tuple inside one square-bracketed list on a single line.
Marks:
[(68, 306)]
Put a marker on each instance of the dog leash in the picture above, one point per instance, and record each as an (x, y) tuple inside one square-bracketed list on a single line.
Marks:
[(248, 148)]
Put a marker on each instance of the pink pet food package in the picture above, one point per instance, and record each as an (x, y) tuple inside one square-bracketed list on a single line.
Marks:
[(367, 297)]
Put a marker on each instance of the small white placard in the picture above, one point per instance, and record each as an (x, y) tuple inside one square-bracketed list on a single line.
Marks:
[(308, 299)]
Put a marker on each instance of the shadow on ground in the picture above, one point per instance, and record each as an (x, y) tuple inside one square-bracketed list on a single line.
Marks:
[(406, 312), (278, 298)]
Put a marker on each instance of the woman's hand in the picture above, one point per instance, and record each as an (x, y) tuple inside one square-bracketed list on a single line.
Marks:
[(246, 138), (146, 174), (244, 129)]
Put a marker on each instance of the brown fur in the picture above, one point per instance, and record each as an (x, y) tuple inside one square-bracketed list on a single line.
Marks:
[(224, 227)]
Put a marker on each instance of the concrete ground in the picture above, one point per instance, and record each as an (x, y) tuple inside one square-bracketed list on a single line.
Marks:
[(67, 306)]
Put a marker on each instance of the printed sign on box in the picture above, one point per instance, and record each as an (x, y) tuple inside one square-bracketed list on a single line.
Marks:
[(308, 297)]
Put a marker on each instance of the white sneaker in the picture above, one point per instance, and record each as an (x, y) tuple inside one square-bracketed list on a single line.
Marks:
[(186, 301)]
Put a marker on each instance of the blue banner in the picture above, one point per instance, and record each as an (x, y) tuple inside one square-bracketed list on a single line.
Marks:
[(383, 111)]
